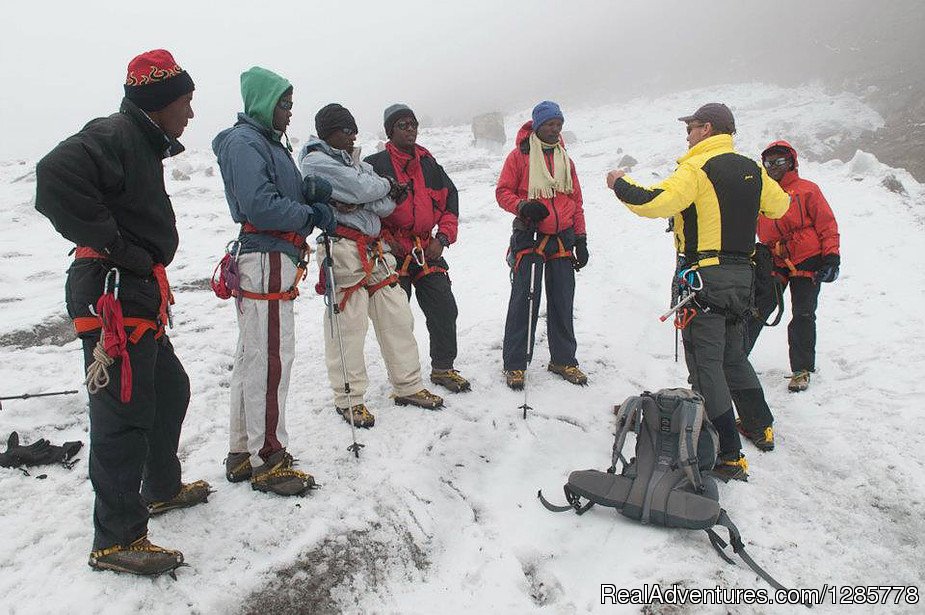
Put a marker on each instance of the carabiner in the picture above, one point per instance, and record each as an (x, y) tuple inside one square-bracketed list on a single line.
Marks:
[(114, 273)]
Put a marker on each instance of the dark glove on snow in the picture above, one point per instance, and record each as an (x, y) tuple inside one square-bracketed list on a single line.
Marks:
[(534, 211), (129, 256), (316, 189), (40, 452), (830, 267), (322, 217), (581, 252)]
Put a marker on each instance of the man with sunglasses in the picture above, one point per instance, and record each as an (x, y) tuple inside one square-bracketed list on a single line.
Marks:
[(264, 191), (714, 197), (364, 271), (805, 247), (432, 202)]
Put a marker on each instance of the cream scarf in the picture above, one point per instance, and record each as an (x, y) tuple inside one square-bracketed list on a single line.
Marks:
[(541, 183)]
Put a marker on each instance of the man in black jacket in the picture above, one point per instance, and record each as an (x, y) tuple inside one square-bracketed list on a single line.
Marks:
[(103, 189)]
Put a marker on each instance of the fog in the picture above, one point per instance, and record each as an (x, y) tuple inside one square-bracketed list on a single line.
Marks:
[(64, 63)]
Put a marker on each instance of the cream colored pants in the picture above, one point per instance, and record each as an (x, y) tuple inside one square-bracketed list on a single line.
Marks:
[(392, 321)]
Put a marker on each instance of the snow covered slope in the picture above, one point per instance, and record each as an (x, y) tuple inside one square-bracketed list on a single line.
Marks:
[(440, 514)]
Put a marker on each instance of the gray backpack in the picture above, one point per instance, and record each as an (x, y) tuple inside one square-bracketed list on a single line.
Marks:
[(667, 483)]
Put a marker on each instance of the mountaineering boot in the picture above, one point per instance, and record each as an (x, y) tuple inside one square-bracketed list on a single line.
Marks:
[(799, 381), (450, 379), (515, 378), (238, 467), (731, 466), (361, 416), (140, 557), (277, 476), (189, 495), (762, 438), (421, 399), (571, 373)]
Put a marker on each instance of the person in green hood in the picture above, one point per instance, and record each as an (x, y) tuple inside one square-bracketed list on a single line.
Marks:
[(266, 196)]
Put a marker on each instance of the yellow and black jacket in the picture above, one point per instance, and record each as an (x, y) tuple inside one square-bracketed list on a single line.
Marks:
[(715, 196)]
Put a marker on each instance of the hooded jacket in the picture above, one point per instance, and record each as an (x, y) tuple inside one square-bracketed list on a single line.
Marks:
[(432, 200), (565, 210), (808, 228), (353, 182), (262, 182), (714, 195)]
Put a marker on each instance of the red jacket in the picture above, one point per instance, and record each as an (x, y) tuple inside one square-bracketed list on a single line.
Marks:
[(565, 210), (432, 200), (808, 228)]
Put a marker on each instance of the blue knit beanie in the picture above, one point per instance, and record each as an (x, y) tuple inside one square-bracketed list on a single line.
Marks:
[(545, 111)]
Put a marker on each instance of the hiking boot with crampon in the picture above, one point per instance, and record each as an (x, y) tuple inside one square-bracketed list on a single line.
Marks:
[(189, 495), (515, 378), (140, 557), (278, 476), (361, 416), (570, 373), (762, 438), (799, 381), (450, 379), (731, 466), (421, 399), (238, 467)]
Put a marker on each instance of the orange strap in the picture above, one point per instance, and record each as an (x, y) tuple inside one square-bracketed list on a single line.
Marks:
[(794, 272), (286, 295), (363, 243), (292, 237), (541, 250), (85, 324)]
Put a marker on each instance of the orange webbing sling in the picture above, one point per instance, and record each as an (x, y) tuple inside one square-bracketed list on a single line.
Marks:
[(301, 268), (541, 250), (365, 245)]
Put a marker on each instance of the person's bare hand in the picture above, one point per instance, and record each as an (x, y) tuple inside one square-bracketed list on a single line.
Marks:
[(434, 250), (613, 176), (345, 208)]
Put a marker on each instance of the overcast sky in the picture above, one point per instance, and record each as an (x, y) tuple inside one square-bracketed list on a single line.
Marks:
[(63, 63)]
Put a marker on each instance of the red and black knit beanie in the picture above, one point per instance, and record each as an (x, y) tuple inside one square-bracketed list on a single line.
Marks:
[(155, 80)]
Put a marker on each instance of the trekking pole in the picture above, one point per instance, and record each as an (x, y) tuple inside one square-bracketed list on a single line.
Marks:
[(330, 300), (677, 306), (31, 395), (526, 406)]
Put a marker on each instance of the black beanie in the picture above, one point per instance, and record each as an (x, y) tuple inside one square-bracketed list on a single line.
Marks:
[(331, 117)]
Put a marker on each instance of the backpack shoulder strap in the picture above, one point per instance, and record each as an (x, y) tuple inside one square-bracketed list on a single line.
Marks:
[(627, 420), (691, 416)]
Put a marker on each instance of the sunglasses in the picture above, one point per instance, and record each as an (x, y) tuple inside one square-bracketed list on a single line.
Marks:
[(691, 127), (771, 163), (285, 105), (347, 131), (406, 125)]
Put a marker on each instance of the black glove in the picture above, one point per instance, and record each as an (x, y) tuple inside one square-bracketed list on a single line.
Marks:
[(129, 256), (534, 211), (829, 270), (316, 189), (40, 452), (581, 251), (397, 192), (322, 217)]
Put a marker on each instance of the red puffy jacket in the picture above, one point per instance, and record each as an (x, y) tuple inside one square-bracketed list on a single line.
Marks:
[(808, 228), (565, 210)]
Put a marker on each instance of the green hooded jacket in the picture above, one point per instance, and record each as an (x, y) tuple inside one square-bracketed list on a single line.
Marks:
[(261, 89)]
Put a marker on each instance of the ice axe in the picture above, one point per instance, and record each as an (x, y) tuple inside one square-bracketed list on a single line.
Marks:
[(31, 395)]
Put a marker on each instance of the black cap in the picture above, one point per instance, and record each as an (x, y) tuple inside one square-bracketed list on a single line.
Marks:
[(332, 117), (717, 114)]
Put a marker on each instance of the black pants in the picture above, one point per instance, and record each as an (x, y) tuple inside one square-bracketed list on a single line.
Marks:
[(714, 350), (435, 296), (559, 274), (801, 332), (133, 446)]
